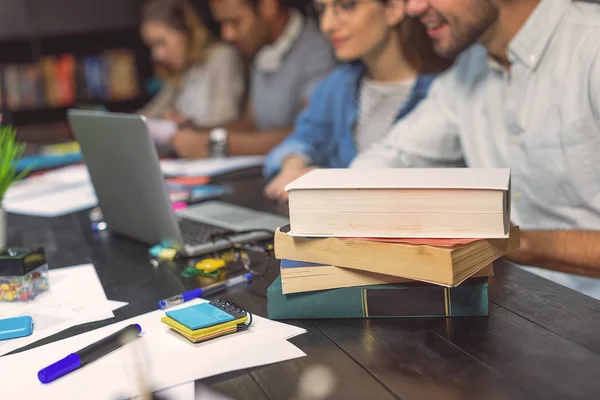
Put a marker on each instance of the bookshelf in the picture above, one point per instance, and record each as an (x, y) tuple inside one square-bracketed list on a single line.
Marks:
[(55, 54), (32, 30)]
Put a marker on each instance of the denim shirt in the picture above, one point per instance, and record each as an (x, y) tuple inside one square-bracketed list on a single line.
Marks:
[(323, 132)]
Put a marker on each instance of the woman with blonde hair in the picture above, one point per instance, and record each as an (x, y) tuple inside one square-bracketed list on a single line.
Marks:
[(203, 79)]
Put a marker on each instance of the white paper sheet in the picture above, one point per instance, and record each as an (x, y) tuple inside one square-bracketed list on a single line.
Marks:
[(55, 203), (52, 194), (69, 189), (209, 166), (166, 358), (75, 297), (185, 391), (43, 331), (71, 174), (189, 391)]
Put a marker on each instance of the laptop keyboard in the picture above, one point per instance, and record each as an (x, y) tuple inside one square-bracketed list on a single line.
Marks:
[(195, 232)]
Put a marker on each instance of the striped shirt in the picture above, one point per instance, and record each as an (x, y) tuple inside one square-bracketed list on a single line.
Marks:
[(379, 104)]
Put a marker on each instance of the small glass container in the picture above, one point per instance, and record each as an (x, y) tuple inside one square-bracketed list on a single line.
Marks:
[(23, 274)]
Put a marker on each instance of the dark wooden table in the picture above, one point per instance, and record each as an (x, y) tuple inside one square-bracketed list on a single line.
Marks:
[(540, 341)]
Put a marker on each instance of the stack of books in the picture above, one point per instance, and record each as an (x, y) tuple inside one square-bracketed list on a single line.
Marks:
[(391, 243)]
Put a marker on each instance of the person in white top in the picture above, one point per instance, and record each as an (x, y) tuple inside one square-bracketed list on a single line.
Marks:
[(523, 94), (203, 79)]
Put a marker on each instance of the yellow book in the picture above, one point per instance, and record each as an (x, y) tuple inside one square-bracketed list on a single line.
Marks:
[(446, 266)]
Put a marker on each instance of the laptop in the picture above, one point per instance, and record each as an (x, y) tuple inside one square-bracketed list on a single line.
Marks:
[(125, 170)]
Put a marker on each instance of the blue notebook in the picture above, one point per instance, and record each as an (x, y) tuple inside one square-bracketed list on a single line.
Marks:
[(200, 316)]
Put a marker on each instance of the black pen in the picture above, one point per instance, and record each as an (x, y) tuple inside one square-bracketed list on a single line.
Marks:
[(89, 354)]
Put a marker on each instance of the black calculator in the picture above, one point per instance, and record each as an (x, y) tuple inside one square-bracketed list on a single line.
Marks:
[(231, 308)]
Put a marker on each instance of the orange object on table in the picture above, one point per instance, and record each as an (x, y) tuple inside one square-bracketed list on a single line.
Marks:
[(190, 180)]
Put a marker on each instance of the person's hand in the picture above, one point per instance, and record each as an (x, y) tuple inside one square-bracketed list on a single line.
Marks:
[(275, 189), (176, 117), (531, 248), (189, 143)]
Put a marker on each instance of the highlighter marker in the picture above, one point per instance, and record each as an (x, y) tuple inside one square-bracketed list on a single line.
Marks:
[(205, 291), (88, 354)]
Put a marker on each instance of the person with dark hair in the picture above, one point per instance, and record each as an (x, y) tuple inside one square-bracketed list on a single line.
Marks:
[(387, 71), (203, 80), (287, 56), (524, 94)]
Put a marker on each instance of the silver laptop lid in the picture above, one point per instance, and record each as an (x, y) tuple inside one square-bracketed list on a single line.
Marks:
[(125, 170)]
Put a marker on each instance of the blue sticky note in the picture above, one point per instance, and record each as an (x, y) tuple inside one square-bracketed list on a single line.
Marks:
[(200, 316), (15, 327)]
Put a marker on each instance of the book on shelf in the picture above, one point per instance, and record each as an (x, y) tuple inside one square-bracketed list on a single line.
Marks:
[(122, 75), (414, 299), (96, 77), (442, 265), (31, 86), (401, 202), (82, 91), (300, 277), (51, 89), (65, 77), (62, 80), (12, 86)]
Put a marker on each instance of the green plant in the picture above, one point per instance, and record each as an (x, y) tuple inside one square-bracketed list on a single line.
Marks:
[(10, 152)]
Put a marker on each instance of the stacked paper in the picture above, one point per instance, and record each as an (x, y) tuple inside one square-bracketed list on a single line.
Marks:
[(75, 297), (162, 358), (69, 189), (55, 193)]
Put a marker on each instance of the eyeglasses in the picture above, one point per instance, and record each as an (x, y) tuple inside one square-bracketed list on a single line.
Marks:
[(342, 9)]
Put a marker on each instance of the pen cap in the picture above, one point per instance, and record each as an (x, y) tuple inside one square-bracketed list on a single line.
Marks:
[(59, 368)]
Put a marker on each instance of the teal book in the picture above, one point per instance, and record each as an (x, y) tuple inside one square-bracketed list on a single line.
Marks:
[(381, 301)]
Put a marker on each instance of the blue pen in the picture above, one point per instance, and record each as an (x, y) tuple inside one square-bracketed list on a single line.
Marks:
[(89, 354), (205, 291)]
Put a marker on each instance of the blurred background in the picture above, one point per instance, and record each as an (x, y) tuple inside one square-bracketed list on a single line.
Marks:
[(56, 54)]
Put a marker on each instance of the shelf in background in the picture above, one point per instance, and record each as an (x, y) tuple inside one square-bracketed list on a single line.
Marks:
[(22, 118), (37, 36)]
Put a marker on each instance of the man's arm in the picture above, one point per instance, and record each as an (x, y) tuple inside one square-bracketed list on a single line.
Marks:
[(191, 143), (247, 143), (245, 123), (576, 252), (243, 139)]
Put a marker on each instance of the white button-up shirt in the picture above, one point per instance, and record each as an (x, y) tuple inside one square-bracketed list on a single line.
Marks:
[(541, 119)]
